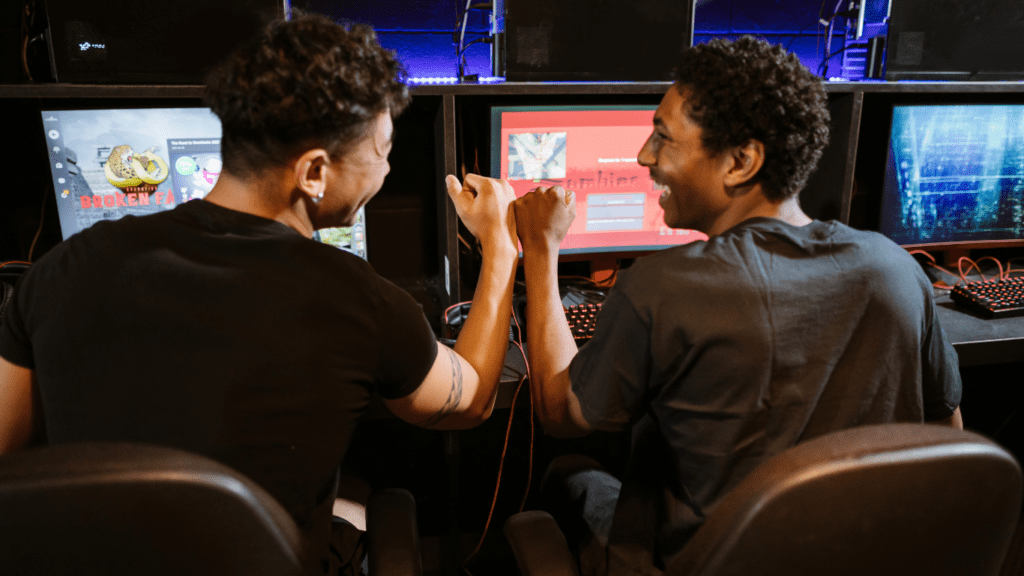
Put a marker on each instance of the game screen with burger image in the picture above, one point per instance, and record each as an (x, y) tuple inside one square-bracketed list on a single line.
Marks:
[(107, 164), (591, 150)]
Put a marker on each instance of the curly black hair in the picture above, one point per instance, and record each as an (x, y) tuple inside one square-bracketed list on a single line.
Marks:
[(748, 89), (303, 83)]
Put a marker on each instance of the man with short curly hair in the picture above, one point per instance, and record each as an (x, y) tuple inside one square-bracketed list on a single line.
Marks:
[(222, 328), (720, 354)]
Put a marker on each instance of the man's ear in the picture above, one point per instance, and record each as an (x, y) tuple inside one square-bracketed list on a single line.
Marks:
[(310, 172), (744, 163)]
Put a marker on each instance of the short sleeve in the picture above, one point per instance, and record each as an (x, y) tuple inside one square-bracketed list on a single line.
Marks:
[(610, 373), (15, 345), (407, 345), (940, 370)]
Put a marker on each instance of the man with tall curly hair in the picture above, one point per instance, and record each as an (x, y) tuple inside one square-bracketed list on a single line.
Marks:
[(722, 353), (222, 328)]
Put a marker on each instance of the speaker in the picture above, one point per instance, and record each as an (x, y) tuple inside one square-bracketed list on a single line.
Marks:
[(595, 40), (131, 42)]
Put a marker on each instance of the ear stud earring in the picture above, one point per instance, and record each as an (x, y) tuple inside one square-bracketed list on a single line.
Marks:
[(316, 199)]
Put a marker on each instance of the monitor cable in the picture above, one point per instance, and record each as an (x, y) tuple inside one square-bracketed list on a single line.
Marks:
[(966, 264), (518, 341), (931, 263), (39, 229), (461, 25)]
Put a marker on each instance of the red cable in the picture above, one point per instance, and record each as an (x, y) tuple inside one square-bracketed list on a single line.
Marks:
[(922, 252), (529, 462), (497, 484), (998, 263), (960, 267), (504, 449)]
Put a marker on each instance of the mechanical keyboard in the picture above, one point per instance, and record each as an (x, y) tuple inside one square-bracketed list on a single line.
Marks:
[(582, 319), (992, 298)]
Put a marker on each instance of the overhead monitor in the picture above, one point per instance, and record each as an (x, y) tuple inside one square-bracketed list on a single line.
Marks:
[(591, 150), (107, 164), (955, 176), (122, 42), (609, 40), (955, 40)]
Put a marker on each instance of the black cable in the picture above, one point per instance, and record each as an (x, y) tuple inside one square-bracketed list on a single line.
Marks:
[(824, 63), (799, 34), (821, 11), (39, 230), (462, 55), (28, 17), (460, 33), (821, 19), (828, 36)]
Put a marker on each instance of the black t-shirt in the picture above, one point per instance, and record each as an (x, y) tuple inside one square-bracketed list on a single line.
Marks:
[(762, 337), (222, 333)]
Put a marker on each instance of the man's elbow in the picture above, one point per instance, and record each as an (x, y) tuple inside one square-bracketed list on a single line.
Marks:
[(472, 418), (558, 423)]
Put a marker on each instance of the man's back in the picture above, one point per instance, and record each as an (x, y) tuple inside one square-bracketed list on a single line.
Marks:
[(222, 333), (764, 336)]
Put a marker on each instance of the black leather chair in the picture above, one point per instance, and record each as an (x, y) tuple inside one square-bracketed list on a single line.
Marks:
[(129, 509), (6, 292), (894, 499), (10, 271)]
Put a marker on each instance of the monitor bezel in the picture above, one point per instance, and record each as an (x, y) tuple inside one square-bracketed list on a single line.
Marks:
[(97, 104), (609, 252), (941, 245)]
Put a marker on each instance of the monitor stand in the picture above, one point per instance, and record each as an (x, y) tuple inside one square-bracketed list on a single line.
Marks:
[(602, 269)]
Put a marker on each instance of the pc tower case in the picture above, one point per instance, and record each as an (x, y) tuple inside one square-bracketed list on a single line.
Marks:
[(128, 42), (599, 40), (955, 40)]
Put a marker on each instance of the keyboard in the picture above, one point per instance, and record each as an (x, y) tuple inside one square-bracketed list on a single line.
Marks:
[(992, 298), (582, 319)]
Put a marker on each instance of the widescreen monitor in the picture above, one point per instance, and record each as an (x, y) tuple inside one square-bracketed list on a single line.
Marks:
[(955, 176), (107, 164), (591, 150)]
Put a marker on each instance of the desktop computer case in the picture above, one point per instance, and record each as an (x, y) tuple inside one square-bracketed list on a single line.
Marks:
[(978, 40), (128, 42), (609, 40)]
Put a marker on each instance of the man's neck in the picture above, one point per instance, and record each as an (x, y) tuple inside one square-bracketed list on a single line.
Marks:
[(754, 204), (262, 196)]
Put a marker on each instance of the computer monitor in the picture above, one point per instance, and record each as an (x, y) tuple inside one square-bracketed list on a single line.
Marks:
[(955, 176), (107, 164), (955, 40), (591, 150), (608, 40)]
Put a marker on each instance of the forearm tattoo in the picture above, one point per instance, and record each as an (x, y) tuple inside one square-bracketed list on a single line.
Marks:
[(451, 404)]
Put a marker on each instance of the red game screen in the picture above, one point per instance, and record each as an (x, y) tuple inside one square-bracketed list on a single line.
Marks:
[(592, 151)]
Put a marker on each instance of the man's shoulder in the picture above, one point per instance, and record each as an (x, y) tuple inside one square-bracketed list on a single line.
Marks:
[(727, 259), (696, 259), (872, 250)]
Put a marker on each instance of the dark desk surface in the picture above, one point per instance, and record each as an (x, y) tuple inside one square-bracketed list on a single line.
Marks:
[(979, 340)]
